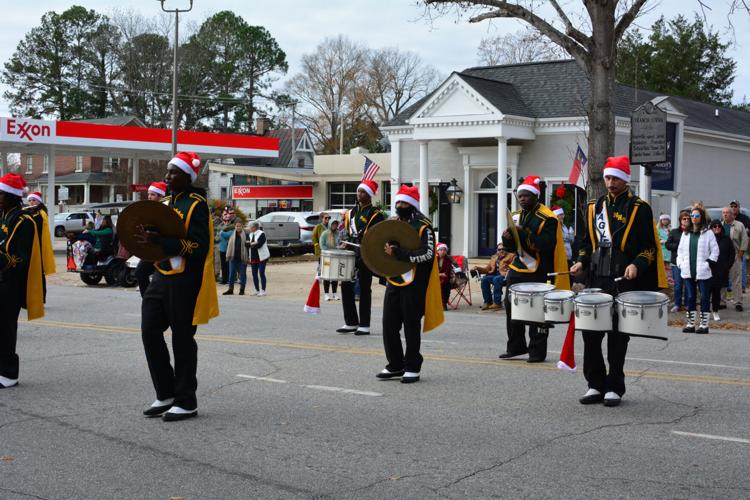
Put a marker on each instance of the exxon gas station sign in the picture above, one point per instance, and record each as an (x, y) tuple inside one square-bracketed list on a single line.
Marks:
[(27, 130)]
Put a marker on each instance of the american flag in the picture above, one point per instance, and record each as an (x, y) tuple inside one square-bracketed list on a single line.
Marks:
[(579, 162), (371, 168)]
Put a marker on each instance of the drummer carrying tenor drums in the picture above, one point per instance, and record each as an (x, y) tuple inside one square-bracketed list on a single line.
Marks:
[(620, 241), (542, 251)]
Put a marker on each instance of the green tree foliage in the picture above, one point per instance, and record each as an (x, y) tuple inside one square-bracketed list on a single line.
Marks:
[(50, 71), (678, 58)]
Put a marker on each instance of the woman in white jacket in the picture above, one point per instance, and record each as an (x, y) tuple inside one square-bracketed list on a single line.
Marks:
[(697, 247)]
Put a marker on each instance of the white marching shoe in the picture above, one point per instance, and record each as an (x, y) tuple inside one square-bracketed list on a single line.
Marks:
[(6, 382), (612, 399), (327, 298)]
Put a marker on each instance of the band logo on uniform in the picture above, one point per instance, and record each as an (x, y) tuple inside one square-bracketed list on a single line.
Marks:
[(602, 225)]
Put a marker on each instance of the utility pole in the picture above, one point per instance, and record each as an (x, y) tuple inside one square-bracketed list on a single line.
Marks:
[(174, 68)]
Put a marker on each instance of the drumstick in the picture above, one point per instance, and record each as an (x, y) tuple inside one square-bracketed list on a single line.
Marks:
[(350, 243), (619, 279), (558, 274)]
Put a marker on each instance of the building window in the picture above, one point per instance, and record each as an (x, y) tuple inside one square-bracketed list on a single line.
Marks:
[(223, 193), (342, 194), (385, 188), (490, 182), (29, 164), (45, 164), (79, 163), (301, 162), (110, 163)]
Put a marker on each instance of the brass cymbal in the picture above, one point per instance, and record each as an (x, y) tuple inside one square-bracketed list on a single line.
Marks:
[(149, 214), (375, 258)]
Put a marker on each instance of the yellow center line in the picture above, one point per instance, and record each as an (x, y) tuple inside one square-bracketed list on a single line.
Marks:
[(225, 339)]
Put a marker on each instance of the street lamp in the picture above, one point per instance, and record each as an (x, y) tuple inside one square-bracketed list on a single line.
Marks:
[(174, 69), (454, 192)]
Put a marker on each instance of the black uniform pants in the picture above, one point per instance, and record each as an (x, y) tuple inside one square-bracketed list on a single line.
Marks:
[(143, 272), (537, 347), (403, 306), (10, 308), (365, 298), (169, 302), (594, 369)]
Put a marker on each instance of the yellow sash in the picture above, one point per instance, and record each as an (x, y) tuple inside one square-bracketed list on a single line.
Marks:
[(48, 254), (207, 305)]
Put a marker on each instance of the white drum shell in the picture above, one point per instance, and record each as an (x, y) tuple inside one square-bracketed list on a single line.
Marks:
[(642, 318), (558, 306), (527, 302), (337, 265), (594, 315)]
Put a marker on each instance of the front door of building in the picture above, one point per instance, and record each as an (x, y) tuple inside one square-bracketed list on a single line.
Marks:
[(487, 244)]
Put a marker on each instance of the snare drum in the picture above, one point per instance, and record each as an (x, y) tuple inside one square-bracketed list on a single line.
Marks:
[(642, 312), (337, 265), (590, 290), (594, 312), (527, 302), (558, 305)]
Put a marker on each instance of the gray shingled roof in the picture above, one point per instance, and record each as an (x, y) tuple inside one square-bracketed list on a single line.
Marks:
[(561, 88), (286, 146), (121, 121), (503, 96)]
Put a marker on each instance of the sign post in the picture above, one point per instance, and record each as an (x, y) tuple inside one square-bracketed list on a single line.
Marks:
[(648, 142)]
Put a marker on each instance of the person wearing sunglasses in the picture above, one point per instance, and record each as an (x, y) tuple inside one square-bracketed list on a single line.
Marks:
[(697, 250)]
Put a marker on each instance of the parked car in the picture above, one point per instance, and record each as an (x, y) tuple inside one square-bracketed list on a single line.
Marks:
[(715, 212), (306, 221), (72, 222)]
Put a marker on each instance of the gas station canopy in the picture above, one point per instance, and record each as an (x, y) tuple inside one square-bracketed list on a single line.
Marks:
[(25, 135)]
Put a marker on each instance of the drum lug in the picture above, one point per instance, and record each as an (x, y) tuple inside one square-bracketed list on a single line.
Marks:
[(624, 311), (515, 299), (595, 311), (661, 312), (545, 308), (577, 315), (642, 313), (531, 302)]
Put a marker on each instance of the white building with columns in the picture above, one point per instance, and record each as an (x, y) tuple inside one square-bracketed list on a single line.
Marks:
[(486, 125)]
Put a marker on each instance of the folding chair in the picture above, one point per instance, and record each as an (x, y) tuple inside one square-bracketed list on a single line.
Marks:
[(461, 285)]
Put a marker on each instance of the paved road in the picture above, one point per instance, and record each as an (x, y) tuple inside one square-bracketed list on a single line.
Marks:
[(290, 409)]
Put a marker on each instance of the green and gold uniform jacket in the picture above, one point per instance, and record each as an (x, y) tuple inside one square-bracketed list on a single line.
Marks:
[(17, 230), (631, 225), (422, 258), (538, 237), (193, 249), (360, 219)]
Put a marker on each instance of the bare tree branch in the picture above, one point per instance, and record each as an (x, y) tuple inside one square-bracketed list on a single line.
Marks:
[(570, 30), (627, 19)]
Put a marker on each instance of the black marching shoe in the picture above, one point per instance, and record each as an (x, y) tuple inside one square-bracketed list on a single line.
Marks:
[(363, 330), (176, 413), (347, 329), (7, 383), (158, 408), (385, 374), (612, 399), (591, 397), (511, 355), (410, 378)]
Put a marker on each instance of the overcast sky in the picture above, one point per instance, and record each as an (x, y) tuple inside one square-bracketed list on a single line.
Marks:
[(299, 25)]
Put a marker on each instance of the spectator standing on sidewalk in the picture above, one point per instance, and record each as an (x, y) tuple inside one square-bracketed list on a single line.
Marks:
[(330, 240), (720, 270), (259, 255), (738, 215), (736, 232), (672, 244)]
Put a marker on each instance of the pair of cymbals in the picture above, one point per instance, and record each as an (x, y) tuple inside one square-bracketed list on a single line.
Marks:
[(153, 216), (373, 247)]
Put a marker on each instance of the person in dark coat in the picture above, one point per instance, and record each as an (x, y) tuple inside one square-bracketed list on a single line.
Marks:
[(720, 269)]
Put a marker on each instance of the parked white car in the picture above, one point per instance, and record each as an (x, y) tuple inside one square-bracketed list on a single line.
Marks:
[(73, 222), (306, 221)]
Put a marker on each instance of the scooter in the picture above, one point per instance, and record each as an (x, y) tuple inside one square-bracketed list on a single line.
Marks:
[(127, 275)]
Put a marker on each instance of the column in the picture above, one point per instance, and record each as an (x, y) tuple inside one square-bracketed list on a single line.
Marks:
[(111, 193), (502, 192), (514, 181), (86, 193), (424, 188), (136, 166), (395, 171), (468, 197), (51, 203), (674, 209), (644, 187), (4, 159)]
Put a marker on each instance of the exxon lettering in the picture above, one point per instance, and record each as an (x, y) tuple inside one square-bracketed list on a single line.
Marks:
[(26, 130)]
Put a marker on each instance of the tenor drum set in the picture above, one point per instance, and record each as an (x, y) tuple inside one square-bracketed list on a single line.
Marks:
[(543, 305)]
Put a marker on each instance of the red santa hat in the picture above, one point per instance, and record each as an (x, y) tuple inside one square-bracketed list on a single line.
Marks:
[(567, 361), (530, 184), (368, 186), (557, 210), (618, 166), (442, 245), (13, 184), (408, 194), (189, 163), (312, 305), (35, 195), (159, 188)]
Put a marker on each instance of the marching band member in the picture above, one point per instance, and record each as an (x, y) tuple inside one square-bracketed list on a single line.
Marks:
[(38, 210), (182, 294), (143, 271), (542, 251), (357, 221), (620, 241), (20, 273), (411, 295)]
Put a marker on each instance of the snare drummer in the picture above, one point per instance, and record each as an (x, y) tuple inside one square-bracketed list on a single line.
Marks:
[(357, 222), (620, 241), (542, 251)]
